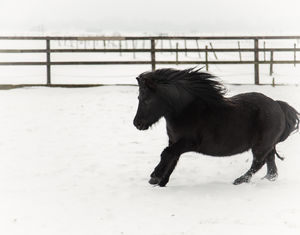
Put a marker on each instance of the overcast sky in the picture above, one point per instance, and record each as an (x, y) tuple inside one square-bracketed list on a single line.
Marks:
[(210, 16)]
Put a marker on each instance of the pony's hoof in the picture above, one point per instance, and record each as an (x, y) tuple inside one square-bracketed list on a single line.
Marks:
[(271, 177), (163, 182), (154, 180), (242, 179)]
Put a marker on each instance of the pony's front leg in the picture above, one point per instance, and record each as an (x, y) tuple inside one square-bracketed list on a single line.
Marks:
[(164, 169), (168, 162)]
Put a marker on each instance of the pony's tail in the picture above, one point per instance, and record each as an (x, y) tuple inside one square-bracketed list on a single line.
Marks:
[(277, 155), (291, 120)]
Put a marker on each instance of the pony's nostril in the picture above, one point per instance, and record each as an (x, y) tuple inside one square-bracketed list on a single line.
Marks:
[(136, 123), (139, 124)]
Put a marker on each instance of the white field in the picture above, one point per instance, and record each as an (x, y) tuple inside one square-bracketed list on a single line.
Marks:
[(71, 162)]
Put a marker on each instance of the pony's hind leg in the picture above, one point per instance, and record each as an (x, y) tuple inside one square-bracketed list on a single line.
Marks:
[(272, 173), (256, 166), (259, 159)]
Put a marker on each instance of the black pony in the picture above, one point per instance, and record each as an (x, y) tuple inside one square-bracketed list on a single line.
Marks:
[(200, 119)]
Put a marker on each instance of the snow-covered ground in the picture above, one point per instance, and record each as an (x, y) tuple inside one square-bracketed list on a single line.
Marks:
[(71, 162)]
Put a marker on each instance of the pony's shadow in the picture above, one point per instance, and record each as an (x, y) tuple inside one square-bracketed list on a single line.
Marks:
[(221, 187), (209, 186)]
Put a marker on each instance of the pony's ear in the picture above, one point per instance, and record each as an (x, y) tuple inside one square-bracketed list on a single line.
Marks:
[(150, 84), (138, 80)]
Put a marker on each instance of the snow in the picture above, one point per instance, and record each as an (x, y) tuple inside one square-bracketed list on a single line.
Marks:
[(71, 162)]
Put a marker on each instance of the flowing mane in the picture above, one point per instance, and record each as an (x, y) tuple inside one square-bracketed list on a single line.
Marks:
[(173, 84)]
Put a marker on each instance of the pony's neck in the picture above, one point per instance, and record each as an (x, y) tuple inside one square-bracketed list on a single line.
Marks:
[(176, 99), (179, 99)]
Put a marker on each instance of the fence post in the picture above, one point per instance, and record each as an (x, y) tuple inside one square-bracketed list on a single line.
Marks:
[(264, 51), (211, 45), (295, 54), (170, 43), (153, 54), (256, 62), (133, 47), (240, 54), (198, 48), (206, 58), (120, 47), (271, 62), (176, 53), (48, 62)]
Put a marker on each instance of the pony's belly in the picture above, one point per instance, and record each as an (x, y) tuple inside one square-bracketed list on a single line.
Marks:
[(220, 150), (223, 153)]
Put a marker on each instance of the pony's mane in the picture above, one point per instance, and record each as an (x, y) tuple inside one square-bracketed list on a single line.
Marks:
[(200, 85)]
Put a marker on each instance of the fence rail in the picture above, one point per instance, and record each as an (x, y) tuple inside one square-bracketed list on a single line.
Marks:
[(153, 50)]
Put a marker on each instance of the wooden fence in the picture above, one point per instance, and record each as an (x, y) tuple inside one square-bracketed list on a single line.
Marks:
[(153, 50)]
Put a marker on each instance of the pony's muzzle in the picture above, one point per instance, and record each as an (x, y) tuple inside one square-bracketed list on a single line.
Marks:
[(139, 124)]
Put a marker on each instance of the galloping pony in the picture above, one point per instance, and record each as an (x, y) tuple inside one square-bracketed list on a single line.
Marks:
[(201, 119)]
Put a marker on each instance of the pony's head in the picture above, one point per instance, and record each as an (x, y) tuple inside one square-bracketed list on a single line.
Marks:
[(151, 106), (167, 92)]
